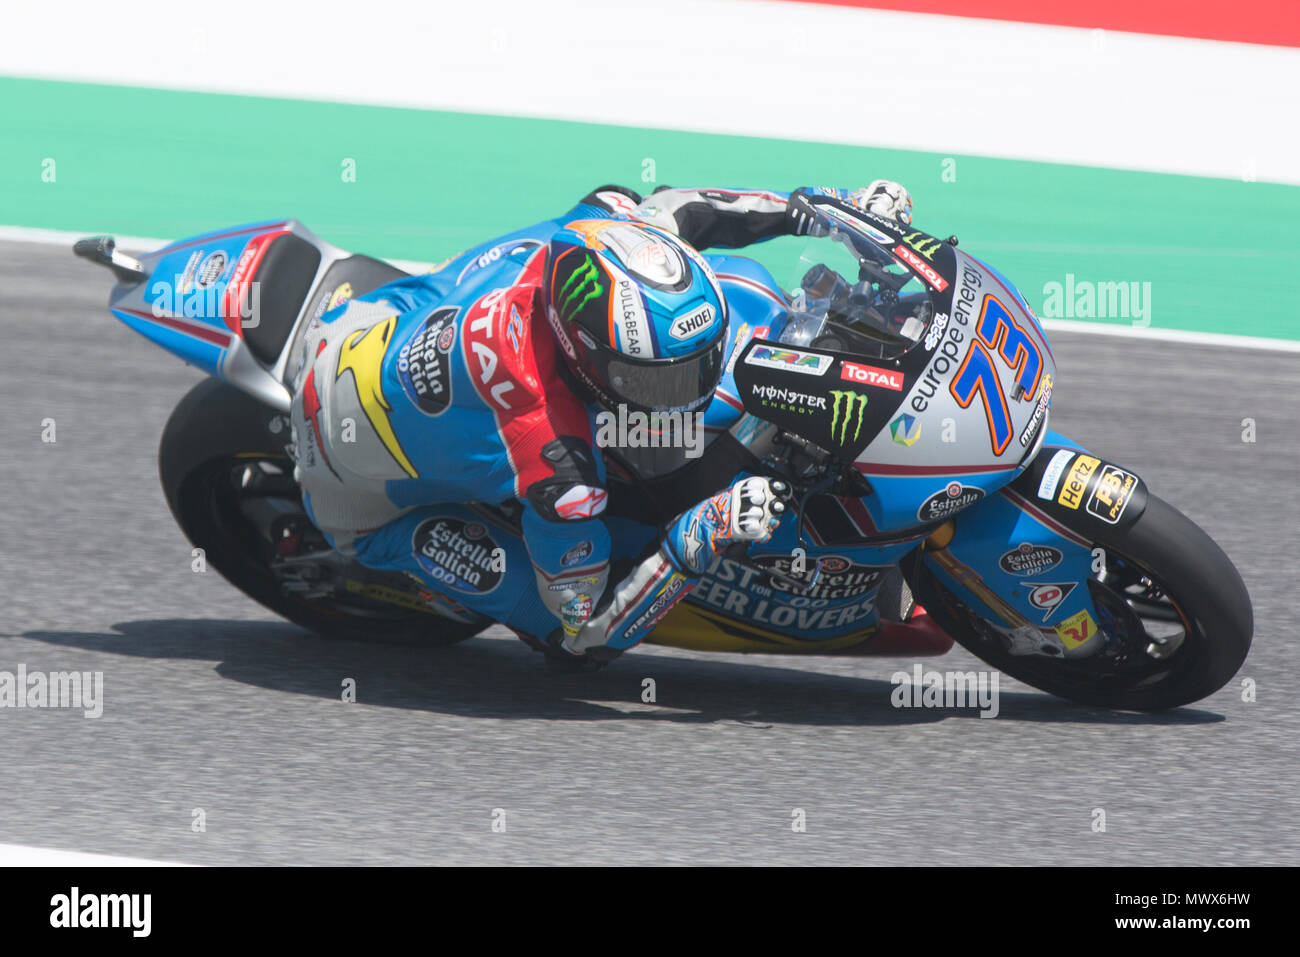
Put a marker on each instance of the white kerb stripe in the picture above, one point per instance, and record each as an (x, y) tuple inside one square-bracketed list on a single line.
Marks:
[(19, 855), (798, 71)]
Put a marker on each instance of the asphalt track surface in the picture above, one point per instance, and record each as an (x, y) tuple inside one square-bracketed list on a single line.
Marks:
[(213, 703)]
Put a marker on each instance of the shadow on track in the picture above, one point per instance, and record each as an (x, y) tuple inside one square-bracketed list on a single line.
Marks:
[(500, 678)]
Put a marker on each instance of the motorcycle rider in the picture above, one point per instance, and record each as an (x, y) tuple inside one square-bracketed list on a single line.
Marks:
[(483, 389)]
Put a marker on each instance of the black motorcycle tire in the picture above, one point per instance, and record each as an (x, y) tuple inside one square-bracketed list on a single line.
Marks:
[(214, 427), (1198, 579)]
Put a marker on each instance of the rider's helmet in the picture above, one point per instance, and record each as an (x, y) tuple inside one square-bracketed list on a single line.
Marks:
[(638, 315)]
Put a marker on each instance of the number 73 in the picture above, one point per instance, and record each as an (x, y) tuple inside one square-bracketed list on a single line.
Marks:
[(997, 331)]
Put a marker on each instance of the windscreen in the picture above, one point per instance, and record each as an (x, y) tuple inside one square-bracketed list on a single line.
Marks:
[(851, 293)]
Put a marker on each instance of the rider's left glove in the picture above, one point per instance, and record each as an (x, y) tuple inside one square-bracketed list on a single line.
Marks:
[(747, 512)]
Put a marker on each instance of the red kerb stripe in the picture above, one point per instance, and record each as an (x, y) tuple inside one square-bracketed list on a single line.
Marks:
[(1276, 23)]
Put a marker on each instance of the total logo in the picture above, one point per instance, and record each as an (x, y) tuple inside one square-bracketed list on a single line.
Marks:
[(905, 429), (487, 360), (871, 375), (921, 267)]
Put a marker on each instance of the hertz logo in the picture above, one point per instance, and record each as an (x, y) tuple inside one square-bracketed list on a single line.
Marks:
[(1076, 481)]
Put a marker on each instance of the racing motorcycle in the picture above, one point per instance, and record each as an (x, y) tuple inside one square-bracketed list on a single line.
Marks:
[(901, 387)]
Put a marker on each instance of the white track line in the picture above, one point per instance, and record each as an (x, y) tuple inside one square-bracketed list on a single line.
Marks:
[(58, 237), (132, 244), (18, 855), (806, 72), (66, 237), (1217, 339)]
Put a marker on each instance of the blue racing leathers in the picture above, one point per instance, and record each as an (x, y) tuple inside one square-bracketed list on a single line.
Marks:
[(434, 434)]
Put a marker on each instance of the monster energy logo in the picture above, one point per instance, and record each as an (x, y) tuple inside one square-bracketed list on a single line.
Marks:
[(919, 242), (843, 402), (582, 286)]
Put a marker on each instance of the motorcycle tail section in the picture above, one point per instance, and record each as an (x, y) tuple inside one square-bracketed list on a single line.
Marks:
[(227, 302)]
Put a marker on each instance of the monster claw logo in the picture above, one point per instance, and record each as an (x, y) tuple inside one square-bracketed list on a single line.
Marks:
[(582, 286), (842, 414), (922, 244), (363, 353)]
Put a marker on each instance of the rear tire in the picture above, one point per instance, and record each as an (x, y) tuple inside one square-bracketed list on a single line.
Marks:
[(213, 430), (1197, 579)]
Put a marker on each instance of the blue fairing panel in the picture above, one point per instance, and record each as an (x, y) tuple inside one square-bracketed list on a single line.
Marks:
[(756, 310), (183, 306), (1023, 557), (1017, 572)]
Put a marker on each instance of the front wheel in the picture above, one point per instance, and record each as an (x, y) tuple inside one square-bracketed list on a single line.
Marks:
[(1174, 611)]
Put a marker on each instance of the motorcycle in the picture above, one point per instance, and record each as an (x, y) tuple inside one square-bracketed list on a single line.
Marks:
[(901, 387)]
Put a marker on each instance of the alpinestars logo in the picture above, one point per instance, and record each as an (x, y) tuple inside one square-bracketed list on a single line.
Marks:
[(844, 405), (582, 286)]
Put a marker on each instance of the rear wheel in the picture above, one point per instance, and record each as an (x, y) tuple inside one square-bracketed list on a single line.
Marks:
[(230, 487), (1174, 612)]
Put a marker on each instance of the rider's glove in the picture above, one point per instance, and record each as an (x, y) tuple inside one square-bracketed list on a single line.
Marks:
[(885, 198), (800, 218), (747, 512)]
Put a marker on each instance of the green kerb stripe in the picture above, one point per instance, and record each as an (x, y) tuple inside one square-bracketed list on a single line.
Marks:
[(1221, 256)]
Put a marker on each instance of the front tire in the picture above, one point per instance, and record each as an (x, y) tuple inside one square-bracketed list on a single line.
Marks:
[(1163, 567)]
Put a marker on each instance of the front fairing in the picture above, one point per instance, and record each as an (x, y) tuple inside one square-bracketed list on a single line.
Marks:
[(935, 419)]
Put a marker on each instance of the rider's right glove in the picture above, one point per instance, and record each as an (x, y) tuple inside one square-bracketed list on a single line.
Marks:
[(885, 198), (747, 512)]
